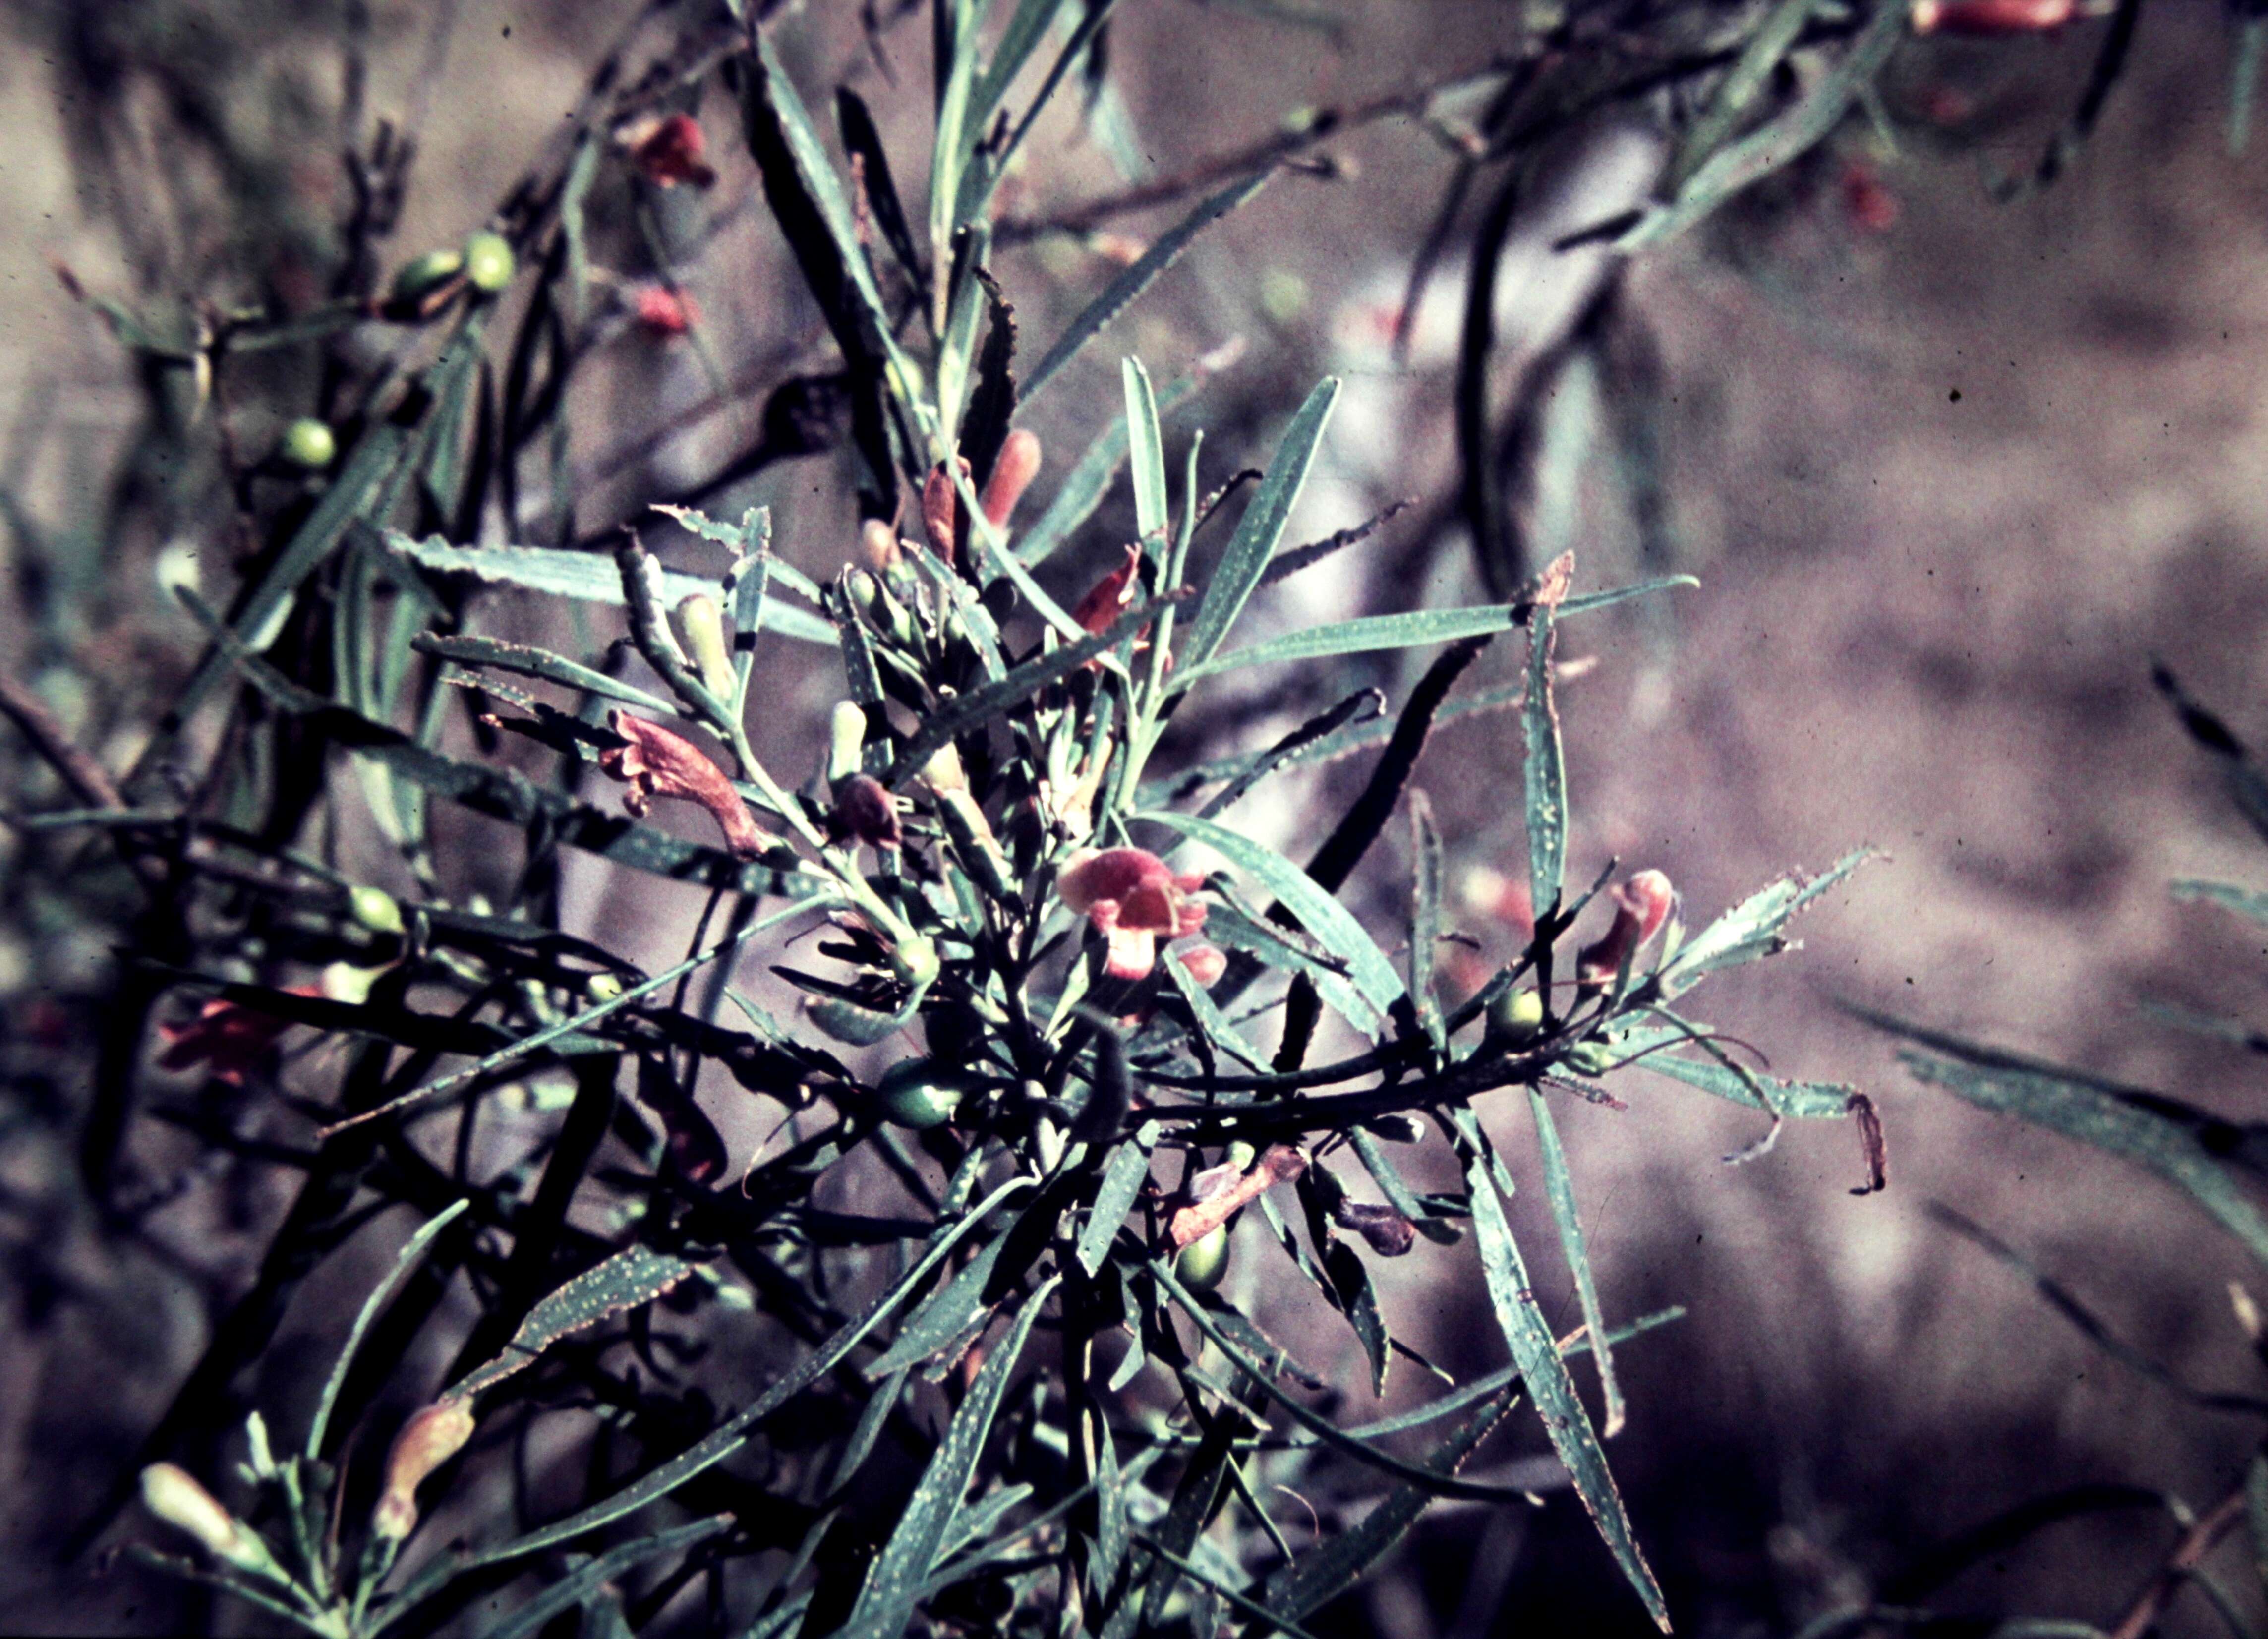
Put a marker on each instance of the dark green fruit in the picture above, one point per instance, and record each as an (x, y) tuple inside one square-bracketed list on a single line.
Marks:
[(921, 1094), (420, 276), (1203, 1261)]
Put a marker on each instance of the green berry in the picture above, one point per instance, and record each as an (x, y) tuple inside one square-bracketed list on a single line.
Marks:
[(375, 909), (1516, 1016), (918, 1093), (489, 262), (602, 987), (1203, 1261), (311, 444), (420, 276)]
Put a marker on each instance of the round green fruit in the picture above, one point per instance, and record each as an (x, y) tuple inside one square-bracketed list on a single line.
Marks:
[(1202, 1262), (310, 444), (1516, 1016), (489, 262), (602, 987), (376, 909), (420, 276), (921, 1094)]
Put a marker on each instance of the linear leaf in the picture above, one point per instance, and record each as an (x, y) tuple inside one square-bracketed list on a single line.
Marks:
[(1090, 480), (886, 1604), (1541, 1367), (1121, 292), (585, 1581), (1365, 635), (404, 1261), (1801, 1101), (586, 577), (1261, 530), (1331, 924), (523, 661), (1148, 449), (1544, 771), (2110, 1124), (1425, 916), (1340, 1560), (2243, 901), (1559, 1189), (948, 1312), (633, 1276), (1751, 929), (1350, 1278), (1122, 1178)]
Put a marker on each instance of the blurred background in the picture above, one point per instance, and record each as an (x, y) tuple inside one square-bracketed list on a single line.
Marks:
[(1952, 469)]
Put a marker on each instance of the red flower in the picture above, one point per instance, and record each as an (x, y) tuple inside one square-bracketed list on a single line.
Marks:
[(662, 312), (669, 151), (1642, 905), (1991, 17), (1132, 898), (1107, 598), (226, 1036), (655, 762)]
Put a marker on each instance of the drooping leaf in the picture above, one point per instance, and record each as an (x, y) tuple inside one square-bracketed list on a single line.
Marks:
[(1559, 1189), (1425, 916), (522, 660), (1544, 1369), (1752, 929), (404, 1261), (1544, 771)]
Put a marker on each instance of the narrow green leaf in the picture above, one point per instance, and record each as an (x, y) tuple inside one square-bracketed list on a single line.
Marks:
[(1261, 529), (1536, 1354), (1365, 635), (404, 1261), (1083, 488), (2256, 1514), (1752, 929), (523, 661), (1350, 1278), (886, 1604), (2243, 901), (635, 1276), (1122, 1178), (1559, 1190), (1279, 948), (586, 577), (1340, 1560), (1798, 1101), (1217, 1027), (1425, 916), (1147, 446), (1544, 771), (946, 1316), (2110, 1124), (1331, 924), (586, 1580), (1773, 40), (1122, 290)]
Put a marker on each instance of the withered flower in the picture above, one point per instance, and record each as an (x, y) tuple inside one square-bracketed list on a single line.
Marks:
[(866, 812), (1133, 899), (428, 1439), (653, 763), (227, 1037), (1641, 905), (668, 149)]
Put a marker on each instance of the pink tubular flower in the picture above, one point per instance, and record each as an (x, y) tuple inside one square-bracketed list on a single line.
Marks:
[(1641, 905), (663, 312), (1013, 470), (940, 518), (655, 762), (1134, 899), (1108, 598), (1991, 17), (428, 1439)]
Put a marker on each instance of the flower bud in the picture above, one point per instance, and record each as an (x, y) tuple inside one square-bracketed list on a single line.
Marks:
[(940, 499), (1205, 964), (877, 546), (310, 444), (428, 1439), (662, 312), (489, 263), (943, 772), (169, 1492), (1990, 16), (846, 739), (1013, 472), (916, 960), (704, 639)]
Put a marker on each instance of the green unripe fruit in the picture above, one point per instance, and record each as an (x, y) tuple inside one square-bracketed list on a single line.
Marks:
[(1203, 1261), (602, 987), (921, 1094), (422, 276), (1588, 1059), (310, 444), (489, 262), (1516, 1016), (703, 625), (375, 909)]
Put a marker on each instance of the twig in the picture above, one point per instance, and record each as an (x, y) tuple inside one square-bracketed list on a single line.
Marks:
[(90, 782), (2188, 1554)]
